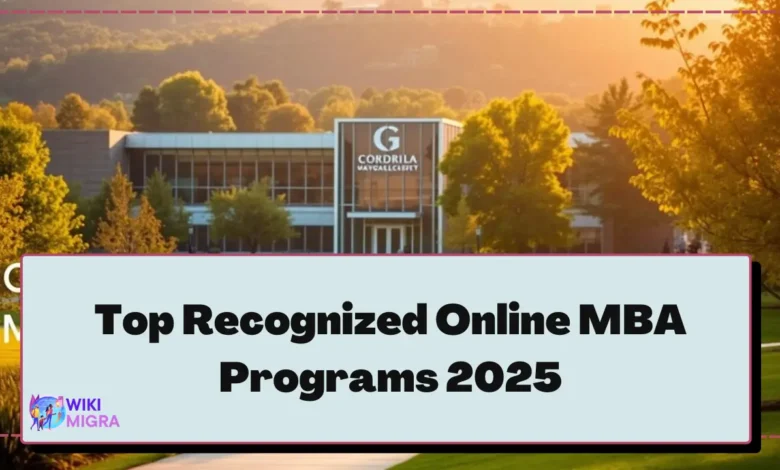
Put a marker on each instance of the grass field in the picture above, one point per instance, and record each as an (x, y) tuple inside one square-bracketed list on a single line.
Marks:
[(770, 326), (770, 377), (125, 461), (766, 460)]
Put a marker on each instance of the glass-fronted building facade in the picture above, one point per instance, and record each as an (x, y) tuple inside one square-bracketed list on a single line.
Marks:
[(388, 185), (370, 186)]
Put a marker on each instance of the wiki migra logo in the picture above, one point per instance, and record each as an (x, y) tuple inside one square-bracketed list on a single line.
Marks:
[(51, 412)]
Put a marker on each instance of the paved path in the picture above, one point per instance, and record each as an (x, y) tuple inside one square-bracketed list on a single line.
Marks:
[(279, 461)]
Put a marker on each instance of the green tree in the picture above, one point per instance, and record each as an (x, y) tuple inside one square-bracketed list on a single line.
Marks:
[(324, 95), (608, 166), (405, 102), (249, 105), (73, 112), (277, 90), (477, 99), (711, 161), (250, 215), (170, 211), (14, 221), (118, 111), (21, 111), (53, 221), (190, 103), (121, 232), (456, 97), (289, 118), (46, 116), (92, 209), (460, 232), (100, 118), (509, 158), (301, 96), (333, 110), (368, 93), (146, 110)]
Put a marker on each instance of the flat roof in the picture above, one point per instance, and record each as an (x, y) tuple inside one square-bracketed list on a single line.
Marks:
[(267, 140), (229, 140), (397, 120)]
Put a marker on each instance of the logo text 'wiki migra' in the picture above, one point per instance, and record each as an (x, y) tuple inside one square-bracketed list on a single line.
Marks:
[(51, 412)]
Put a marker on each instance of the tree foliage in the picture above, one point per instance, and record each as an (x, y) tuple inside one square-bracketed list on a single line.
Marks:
[(456, 97), (92, 209), (12, 218), (53, 221), (46, 115), (405, 103), (146, 110), (277, 89), (712, 161), (73, 112), (170, 211), (508, 159), (460, 232), (249, 105), (335, 109), (122, 232), (118, 111), (607, 166), (325, 95), (21, 112), (100, 118), (251, 215), (289, 117), (190, 103)]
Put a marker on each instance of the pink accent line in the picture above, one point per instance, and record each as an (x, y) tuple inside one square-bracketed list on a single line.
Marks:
[(397, 12), (289, 444)]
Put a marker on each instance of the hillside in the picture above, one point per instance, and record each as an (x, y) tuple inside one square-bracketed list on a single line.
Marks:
[(501, 57)]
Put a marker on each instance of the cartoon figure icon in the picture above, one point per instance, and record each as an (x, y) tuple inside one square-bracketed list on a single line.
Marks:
[(36, 413), (49, 411)]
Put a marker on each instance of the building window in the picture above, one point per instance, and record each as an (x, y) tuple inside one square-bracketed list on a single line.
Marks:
[(248, 172), (233, 173), (137, 171), (327, 239), (301, 177), (152, 165), (298, 242), (183, 183), (169, 167)]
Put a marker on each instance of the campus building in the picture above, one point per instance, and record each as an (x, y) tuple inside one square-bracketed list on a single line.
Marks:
[(370, 186)]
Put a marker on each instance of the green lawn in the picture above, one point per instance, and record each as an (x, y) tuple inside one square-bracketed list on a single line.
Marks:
[(125, 461), (770, 377), (770, 326)]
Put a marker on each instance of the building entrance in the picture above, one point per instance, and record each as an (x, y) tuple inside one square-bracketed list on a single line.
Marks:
[(388, 239)]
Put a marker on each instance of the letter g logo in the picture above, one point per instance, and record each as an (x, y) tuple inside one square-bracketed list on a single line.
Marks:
[(394, 141)]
